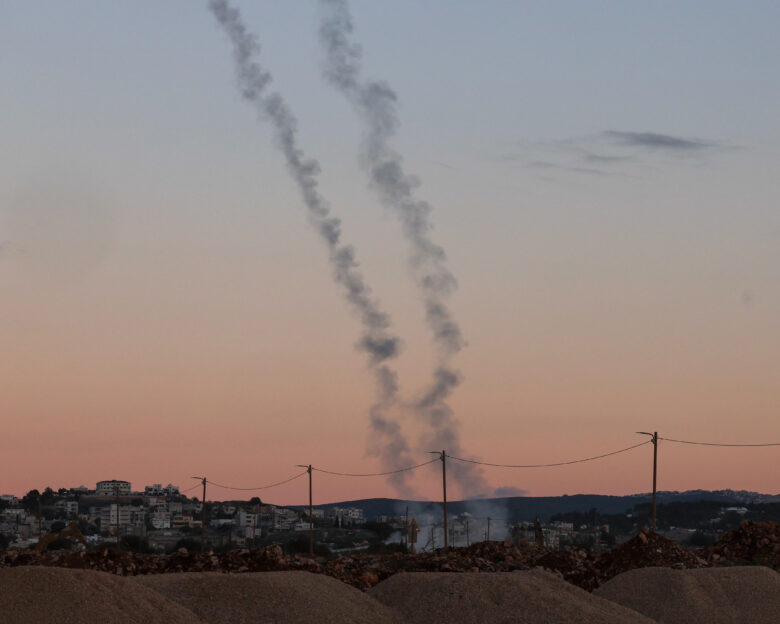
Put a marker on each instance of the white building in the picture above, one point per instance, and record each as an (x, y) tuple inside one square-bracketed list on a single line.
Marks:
[(70, 507), (158, 490), (284, 519), (129, 515), (345, 516), (112, 488), (161, 519)]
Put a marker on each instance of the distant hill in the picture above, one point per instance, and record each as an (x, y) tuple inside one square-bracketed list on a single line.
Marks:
[(530, 507)]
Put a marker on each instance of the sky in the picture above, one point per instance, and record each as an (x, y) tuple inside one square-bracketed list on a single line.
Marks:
[(602, 176)]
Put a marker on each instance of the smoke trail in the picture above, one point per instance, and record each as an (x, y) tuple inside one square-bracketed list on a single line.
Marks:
[(376, 103), (376, 340)]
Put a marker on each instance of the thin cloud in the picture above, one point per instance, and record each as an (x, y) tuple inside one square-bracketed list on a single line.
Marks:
[(509, 490), (600, 158), (588, 171), (445, 165), (654, 140)]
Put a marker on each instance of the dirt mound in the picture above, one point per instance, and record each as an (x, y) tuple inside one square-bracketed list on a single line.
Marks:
[(575, 566), (645, 550), (129, 564), (268, 597), (713, 596), (757, 543), (530, 596), (43, 595)]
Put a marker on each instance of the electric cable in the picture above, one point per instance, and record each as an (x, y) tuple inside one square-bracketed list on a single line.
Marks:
[(374, 474), (263, 487), (716, 443), (566, 463)]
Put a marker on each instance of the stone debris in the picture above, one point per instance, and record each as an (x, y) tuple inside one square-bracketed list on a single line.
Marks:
[(755, 543), (752, 542), (645, 550)]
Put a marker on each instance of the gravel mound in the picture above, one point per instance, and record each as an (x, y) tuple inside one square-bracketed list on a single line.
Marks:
[(294, 597), (733, 595), (530, 597), (62, 596)]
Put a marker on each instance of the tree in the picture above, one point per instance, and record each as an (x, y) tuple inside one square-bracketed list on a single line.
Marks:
[(30, 501), (300, 545), (48, 496)]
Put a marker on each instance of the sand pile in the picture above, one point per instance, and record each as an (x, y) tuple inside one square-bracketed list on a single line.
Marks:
[(531, 597), (62, 596), (734, 595), (295, 597)]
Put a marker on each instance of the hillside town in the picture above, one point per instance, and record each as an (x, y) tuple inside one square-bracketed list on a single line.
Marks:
[(160, 519)]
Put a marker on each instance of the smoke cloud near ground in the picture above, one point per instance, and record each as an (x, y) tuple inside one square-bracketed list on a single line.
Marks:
[(388, 441), (376, 103)]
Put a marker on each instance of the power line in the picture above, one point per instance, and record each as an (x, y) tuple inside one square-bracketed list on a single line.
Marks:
[(375, 474), (189, 489), (717, 443), (262, 487), (566, 463)]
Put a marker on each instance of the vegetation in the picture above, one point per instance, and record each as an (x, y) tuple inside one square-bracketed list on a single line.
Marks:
[(190, 544), (135, 544), (300, 545), (707, 516)]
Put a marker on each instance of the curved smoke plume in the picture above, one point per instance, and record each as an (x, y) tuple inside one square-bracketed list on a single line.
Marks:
[(376, 104), (377, 342)]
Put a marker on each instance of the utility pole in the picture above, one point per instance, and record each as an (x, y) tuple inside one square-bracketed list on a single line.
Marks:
[(311, 517), (654, 440), (254, 531), (40, 521), (202, 516), (406, 529), (655, 471), (467, 533), (443, 457), (118, 522)]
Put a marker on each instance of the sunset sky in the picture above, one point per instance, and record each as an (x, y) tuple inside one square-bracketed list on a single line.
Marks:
[(604, 177)]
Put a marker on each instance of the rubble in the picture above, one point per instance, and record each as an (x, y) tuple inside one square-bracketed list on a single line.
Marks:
[(757, 543), (754, 543), (574, 566), (645, 550)]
